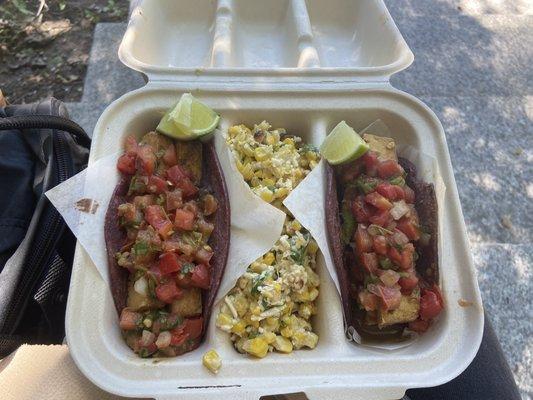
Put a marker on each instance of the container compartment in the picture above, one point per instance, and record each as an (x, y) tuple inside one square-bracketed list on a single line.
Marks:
[(264, 34), (354, 33), (172, 33), (92, 330)]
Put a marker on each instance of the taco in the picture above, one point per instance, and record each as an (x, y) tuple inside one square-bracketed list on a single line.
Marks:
[(383, 232), (167, 237)]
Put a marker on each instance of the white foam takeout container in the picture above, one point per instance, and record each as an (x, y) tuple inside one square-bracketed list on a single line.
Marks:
[(302, 65)]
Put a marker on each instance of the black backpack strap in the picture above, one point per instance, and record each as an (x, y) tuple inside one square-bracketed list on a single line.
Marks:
[(46, 122)]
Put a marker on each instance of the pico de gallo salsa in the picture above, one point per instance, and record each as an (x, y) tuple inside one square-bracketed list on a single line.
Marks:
[(383, 238), (165, 218)]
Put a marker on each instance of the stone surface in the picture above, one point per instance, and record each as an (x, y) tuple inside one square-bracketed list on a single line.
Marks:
[(505, 275), (107, 78), (417, 8), (86, 114), (467, 55), (490, 140)]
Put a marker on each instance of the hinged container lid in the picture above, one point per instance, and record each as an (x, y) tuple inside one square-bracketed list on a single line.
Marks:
[(256, 41)]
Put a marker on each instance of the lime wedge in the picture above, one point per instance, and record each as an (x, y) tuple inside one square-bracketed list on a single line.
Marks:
[(189, 119), (343, 144)]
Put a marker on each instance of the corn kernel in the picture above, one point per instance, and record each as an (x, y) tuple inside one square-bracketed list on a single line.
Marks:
[(312, 247), (266, 195), (286, 332), (224, 322), (262, 153), (211, 360), (282, 192), (257, 347), (268, 181), (247, 172), (282, 344), (269, 337), (312, 164), (304, 339), (269, 258), (239, 328), (289, 141), (311, 156)]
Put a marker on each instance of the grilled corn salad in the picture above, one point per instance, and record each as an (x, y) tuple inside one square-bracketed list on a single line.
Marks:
[(270, 307)]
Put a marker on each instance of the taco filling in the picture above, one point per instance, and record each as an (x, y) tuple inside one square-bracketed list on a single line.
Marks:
[(382, 239), (161, 230)]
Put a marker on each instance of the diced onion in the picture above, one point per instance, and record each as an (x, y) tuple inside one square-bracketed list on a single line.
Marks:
[(163, 340), (399, 209), (400, 238), (147, 338), (389, 277), (141, 286)]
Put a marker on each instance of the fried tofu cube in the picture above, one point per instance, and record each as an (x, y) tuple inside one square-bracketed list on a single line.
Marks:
[(407, 311), (384, 146), (189, 305)]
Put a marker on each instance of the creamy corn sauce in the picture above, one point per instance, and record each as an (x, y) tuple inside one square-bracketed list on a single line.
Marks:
[(271, 306)]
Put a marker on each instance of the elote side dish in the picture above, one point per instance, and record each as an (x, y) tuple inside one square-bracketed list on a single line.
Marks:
[(271, 306)]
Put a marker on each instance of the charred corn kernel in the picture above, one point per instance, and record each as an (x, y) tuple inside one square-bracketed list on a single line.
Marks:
[(286, 332), (246, 171), (257, 347), (289, 141), (305, 310), (269, 258), (266, 195), (262, 153), (239, 328), (224, 322), (311, 156), (312, 247), (269, 337), (268, 181), (282, 344), (282, 192), (304, 339), (211, 360)]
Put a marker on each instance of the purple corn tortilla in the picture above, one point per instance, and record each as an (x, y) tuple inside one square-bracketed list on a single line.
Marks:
[(115, 237), (427, 263)]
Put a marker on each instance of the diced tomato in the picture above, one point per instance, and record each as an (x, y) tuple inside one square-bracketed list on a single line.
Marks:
[(176, 174), (430, 305), (369, 301), (131, 145), (156, 216), (395, 255), (174, 199), (370, 262), (388, 169), (129, 320), (370, 160), (363, 241), (390, 297), (419, 326), (409, 195), (156, 184), (200, 277), (191, 206), (146, 159), (179, 336), (168, 291), (360, 210), (380, 245), (193, 327), (184, 220), (126, 164), (410, 282), (170, 158), (203, 256), (381, 218), (391, 192), (407, 226), (407, 256), (378, 201), (187, 187), (168, 263)]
